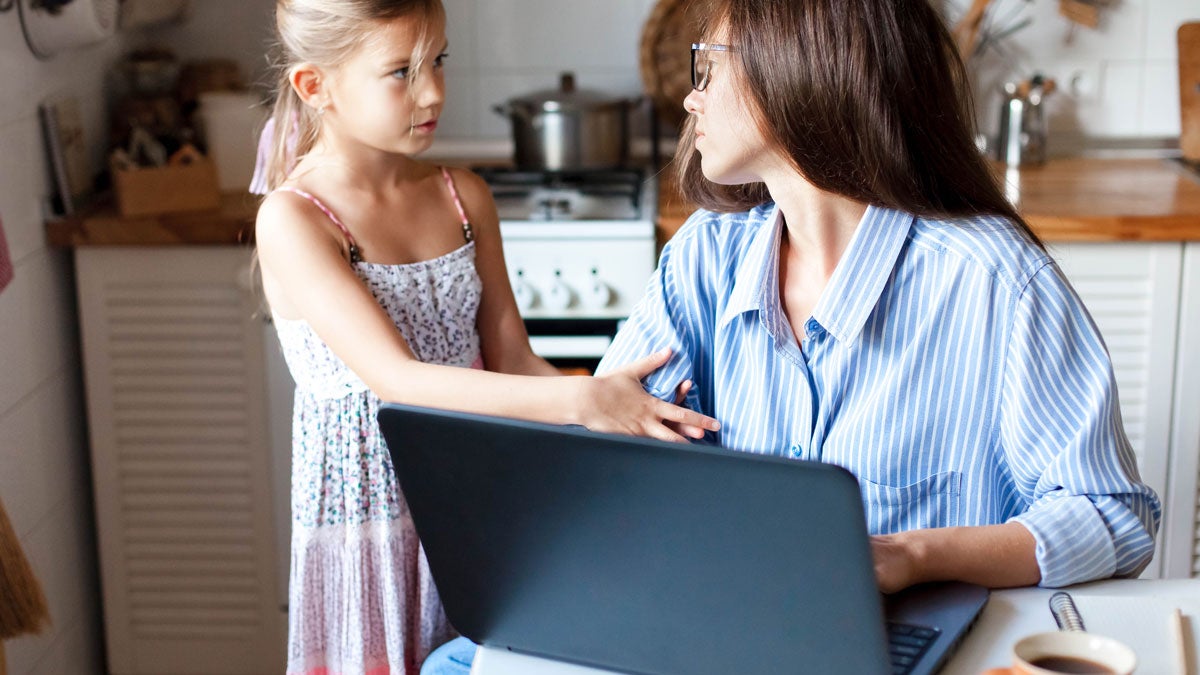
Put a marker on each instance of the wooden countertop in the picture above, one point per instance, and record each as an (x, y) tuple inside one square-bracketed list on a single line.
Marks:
[(1070, 200), (101, 225), (1064, 200)]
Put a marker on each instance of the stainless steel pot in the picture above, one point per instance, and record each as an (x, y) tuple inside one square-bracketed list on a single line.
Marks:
[(567, 129)]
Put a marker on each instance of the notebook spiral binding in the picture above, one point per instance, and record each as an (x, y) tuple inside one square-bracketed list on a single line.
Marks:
[(1066, 614)]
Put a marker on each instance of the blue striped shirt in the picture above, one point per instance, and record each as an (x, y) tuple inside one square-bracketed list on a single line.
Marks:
[(948, 365)]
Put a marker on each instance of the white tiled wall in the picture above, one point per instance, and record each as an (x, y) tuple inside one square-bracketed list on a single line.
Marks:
[(1119, 80), (44, 466)]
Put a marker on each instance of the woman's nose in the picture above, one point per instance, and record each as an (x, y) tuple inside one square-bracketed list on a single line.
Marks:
[(692, 102)]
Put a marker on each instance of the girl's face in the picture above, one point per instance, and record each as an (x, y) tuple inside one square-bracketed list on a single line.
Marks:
[(732, 149), (380, 99)]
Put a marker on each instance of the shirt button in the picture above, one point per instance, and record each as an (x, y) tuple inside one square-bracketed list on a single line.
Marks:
[(811, 326), (795, 451)]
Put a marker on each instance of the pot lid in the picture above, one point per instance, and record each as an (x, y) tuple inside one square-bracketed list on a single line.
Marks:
[(567, 97)]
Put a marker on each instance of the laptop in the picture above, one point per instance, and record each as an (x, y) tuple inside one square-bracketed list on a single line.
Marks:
[(640, 556)]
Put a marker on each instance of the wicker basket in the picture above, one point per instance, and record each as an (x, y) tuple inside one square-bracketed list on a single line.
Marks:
[(665, 56)]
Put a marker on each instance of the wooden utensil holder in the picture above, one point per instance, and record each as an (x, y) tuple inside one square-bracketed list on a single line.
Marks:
[(143, 191)]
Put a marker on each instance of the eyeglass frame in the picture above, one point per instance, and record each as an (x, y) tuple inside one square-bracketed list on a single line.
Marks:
[(700, 84)]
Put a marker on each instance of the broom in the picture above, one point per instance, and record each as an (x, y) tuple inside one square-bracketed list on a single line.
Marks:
[(22, 603)]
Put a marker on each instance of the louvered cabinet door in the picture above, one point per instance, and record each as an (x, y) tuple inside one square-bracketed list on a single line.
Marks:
[(1132, 292), (176, 388), (1182, 552)]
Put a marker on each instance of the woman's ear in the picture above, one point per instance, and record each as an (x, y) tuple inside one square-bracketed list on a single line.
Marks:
[(308, 82)]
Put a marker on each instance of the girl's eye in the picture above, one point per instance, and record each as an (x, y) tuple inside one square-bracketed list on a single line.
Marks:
[(440, 61), (401, 74)]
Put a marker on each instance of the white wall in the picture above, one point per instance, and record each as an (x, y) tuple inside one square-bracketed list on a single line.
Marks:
[(1118, 81), (44, 470)]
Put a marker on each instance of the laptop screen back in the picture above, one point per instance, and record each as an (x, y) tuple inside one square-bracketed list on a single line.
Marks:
[(638, 555)]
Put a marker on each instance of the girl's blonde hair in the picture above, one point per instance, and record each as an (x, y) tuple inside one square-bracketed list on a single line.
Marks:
[(324, 33)]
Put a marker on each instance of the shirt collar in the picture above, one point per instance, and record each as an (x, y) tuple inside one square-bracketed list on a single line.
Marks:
[(852, 292), (756, 281), (864, 270)]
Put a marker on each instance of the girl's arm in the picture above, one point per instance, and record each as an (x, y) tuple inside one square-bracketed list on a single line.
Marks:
[(306, 275), (502, 335)]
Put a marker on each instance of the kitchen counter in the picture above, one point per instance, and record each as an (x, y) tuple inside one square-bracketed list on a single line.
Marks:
[(1064, 200), (1068, 200), (101, 225)]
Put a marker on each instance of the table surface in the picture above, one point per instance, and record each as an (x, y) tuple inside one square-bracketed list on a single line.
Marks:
[(1134, 611)]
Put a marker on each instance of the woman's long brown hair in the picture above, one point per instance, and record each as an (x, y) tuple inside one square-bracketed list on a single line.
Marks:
[(867, 98)]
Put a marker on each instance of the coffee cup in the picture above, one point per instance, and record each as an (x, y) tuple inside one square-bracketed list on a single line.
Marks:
[(1062, 652)]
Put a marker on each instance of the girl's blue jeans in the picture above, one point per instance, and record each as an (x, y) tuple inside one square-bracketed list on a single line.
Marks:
[(452, 658)]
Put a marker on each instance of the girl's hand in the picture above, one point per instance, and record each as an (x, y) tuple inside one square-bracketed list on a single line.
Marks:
[(617, 403)]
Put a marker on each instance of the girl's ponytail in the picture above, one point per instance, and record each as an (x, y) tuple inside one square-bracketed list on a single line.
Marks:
[(288, 134)]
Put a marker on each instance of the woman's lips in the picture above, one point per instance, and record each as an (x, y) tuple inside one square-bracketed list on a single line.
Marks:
[(427, 127)]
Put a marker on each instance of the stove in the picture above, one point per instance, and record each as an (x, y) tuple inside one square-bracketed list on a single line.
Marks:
[(580, 249)]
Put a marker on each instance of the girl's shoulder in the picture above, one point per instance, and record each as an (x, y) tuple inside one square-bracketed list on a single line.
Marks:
[(293, 215), (472, 190)]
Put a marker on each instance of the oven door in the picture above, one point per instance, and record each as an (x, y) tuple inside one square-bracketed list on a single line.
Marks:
[(574, 346)]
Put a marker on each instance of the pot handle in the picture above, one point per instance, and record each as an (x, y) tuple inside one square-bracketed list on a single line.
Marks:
[(508, 110)]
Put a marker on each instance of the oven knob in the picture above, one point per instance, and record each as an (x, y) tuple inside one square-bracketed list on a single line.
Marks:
[(524, 292), (598, 294), (559, 296)]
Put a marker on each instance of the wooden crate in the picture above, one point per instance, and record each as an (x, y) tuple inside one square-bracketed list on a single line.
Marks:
[(143, 191)]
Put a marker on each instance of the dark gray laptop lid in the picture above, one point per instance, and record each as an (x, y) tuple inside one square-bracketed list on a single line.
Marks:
[(638, 555)]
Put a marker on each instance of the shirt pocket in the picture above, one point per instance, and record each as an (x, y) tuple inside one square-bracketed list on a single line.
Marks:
[(930, 502)]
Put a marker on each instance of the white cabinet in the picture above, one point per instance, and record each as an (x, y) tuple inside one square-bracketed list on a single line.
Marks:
[(1145, 298), (1181, 554), (177, 408)]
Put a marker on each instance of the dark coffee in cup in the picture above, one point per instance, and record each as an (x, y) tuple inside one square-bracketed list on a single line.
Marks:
[(1071, 664)]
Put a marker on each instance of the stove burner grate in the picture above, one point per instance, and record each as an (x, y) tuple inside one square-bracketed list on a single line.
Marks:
[(508, 182)]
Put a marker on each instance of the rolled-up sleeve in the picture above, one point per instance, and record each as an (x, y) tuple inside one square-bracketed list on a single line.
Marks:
[(660, 319), (1065, 444)]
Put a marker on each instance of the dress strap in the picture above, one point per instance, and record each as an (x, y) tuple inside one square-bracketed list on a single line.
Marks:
[(355, 256), (468, 232)]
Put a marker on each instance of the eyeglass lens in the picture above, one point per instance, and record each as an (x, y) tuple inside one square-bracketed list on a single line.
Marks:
[(702, 65)]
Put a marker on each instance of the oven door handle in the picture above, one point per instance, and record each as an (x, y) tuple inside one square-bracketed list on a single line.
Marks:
[(570, 346)]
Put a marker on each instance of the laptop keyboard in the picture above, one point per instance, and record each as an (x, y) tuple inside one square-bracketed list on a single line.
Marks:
[(907, 644)]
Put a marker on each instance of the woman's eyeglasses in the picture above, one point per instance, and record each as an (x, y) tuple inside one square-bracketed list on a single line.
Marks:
[(702, 66)]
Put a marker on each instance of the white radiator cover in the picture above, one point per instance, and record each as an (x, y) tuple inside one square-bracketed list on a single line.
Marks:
[(176, 390)]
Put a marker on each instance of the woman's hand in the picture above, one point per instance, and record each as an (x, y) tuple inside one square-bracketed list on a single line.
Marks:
[(996, 556), (895, 562), (617, 402)]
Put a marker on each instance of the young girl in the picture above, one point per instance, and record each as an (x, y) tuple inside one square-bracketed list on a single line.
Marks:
[(386, 280)]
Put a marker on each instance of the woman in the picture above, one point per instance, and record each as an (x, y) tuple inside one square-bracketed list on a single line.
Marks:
[(856, 290)]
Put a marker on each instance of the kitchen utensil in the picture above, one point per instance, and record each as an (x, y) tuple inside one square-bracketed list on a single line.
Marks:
[(1022, 135), (664, 57), (1083, 12), (1189, 90), (569, 129), (1066, 614), (966, 31)]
